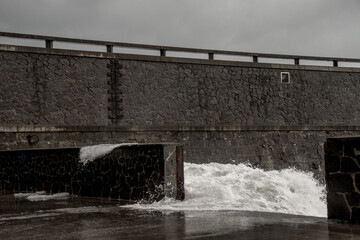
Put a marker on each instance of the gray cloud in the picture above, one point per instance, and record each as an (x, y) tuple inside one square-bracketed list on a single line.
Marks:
[(308, 27)]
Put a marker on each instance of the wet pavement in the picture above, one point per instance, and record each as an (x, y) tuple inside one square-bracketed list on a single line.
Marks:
[(85, 218)]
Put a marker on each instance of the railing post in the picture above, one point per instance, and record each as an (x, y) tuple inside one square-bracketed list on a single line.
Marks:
[(109, 48), (336, 61), (49, 43), (163, 52)]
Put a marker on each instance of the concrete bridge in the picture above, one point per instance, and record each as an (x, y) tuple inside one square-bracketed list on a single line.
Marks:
[(271, 110)]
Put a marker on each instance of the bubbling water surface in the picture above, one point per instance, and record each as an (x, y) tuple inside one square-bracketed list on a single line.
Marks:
[(216, 186)]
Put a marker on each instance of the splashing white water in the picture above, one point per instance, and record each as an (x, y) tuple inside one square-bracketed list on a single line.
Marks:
[(217, 186), (90, 153), (42, 196)]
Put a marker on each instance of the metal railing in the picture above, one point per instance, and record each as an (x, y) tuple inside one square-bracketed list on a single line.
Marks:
[(49, 40)]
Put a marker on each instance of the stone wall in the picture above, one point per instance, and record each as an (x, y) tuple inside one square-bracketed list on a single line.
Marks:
[(41, 89), (157, 93), (133, 172), (221, 111), (44, 89), (276, 149), (342, 166)]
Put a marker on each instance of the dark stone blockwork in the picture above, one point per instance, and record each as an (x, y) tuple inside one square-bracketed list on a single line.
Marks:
[(340, 182), (128, 172), (342, 178), (53, 87), (221, 111)]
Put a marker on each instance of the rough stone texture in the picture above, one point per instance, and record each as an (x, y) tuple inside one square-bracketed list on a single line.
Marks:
[(52, 90), (349, 165), (67, 90), (340, 182), (357, 180), (115, 92), (57, 89), (28, 171), (353, 199), (356, 214), (133, 172), (337, 207), (188, 94), (343, 183), (332, 163)]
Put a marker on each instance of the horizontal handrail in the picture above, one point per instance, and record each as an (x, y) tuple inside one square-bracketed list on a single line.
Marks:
[(163, 49)]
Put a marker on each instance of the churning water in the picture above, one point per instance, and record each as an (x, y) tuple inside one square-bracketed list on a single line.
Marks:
[(223, 201), (216, 186)]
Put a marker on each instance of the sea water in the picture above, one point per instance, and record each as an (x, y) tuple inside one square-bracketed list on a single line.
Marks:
[(223, 201), (215, 186), (230, 187)]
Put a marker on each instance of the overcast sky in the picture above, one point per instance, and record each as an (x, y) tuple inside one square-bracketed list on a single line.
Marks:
[(304, 27)]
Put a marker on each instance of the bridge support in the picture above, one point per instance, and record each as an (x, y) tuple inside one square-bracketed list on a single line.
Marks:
[(342, 166), (128, 172)]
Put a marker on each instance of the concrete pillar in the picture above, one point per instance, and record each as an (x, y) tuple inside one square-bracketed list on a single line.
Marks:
[(342, 177)]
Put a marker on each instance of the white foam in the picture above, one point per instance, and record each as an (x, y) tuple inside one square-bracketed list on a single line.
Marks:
[(56, 196), (90, 153), (25, 195), (41, 196), (217, 186)]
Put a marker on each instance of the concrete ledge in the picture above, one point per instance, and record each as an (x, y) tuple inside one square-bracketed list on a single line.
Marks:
[(93, 54), (32, 128)]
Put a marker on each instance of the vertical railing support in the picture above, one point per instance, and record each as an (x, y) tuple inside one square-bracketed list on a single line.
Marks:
[(211, 56), (336, 61), (109, 48), (163, 52), (49, 43)]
